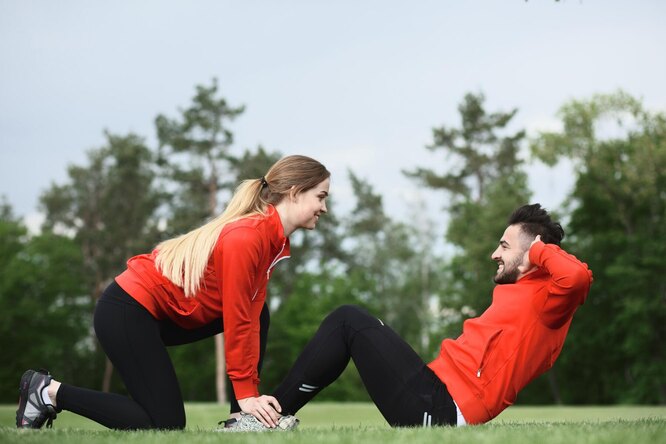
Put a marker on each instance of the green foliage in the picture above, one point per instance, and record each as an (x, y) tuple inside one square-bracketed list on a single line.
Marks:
[(252, 165), (479, 154), (484, 183), (476, 228), (615, 352), (391, 276), (195, 368), (109, 210), (44, 313), (194, 153), (108, 206), (296, 321)]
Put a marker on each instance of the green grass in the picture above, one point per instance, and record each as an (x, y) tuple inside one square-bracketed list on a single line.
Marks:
[(362, 423)]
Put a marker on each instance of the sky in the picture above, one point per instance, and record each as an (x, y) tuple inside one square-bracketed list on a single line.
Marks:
[(354, 84)]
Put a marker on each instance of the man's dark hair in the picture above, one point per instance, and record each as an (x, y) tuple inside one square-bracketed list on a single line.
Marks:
[(534, 220)]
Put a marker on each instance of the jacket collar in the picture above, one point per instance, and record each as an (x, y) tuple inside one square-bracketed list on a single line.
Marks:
[(276, 231), (535, 275)]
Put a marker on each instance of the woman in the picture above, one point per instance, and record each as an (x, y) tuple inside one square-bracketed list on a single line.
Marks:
[(209, 280)]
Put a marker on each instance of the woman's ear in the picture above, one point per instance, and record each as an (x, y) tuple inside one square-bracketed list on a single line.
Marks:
[(292, 193)]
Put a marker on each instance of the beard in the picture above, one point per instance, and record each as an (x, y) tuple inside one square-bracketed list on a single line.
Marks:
[(509, 273)]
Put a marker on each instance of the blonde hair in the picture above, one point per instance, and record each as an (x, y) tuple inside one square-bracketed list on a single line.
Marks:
[(183, 259)]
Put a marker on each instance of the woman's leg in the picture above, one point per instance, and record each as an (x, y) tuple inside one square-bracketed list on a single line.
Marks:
[(131, 339), (404, 389)]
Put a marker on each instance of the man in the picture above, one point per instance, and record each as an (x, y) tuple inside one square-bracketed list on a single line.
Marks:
[(475, 376)]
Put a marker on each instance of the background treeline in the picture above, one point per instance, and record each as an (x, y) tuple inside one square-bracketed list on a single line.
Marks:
[(129, 196)]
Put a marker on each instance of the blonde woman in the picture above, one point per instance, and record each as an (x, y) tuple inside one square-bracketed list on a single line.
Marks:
[(209, 280)]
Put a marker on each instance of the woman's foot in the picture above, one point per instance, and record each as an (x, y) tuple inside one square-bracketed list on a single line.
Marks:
[(33, 410), (248, 423)]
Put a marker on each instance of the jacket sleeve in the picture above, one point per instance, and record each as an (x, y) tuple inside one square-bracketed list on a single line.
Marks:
[(569, 283), (236, 264)]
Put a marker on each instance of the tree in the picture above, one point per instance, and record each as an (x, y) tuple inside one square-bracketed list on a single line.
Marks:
[(195, 152), (484, 183), (383, 261), (201, 141), (480, 155), (618, 225), (42, 304), (108, 208), (314, 295)]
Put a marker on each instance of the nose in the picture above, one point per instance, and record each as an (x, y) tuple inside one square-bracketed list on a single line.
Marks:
[(323, 207), (495, 255)]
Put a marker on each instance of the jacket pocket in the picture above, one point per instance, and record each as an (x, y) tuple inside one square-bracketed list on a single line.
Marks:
[(488, 350), (181, 305)]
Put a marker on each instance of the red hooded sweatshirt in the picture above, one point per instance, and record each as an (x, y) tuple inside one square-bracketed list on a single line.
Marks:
[(517, 338), (233, 289)]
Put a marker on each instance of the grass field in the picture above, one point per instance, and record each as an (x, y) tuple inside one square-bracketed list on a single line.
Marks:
[(362, 423)]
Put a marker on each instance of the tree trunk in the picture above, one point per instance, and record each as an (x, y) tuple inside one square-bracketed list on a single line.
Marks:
[(220, 362), (220, 370), (554, 388), (108, 372)]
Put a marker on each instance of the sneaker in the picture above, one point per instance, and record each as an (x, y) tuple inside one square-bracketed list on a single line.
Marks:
[(32, 412), (248, 423), (228, 423)]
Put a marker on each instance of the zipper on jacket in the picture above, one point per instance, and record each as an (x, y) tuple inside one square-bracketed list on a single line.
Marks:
[(485, 352), (276, 260)]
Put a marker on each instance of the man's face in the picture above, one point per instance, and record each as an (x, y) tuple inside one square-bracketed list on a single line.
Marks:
[(510, 256)]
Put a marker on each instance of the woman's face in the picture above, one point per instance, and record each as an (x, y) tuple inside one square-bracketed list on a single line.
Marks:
[(308, 205)]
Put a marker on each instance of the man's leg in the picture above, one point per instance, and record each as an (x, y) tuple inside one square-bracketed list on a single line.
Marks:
[(404, 389)]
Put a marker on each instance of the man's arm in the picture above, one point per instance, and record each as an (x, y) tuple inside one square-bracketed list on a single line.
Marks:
[(569, 284)]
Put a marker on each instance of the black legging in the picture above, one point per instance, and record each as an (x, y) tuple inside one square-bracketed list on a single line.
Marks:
[(404, 389), (135, 342)]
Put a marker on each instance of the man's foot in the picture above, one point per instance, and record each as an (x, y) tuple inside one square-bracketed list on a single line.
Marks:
[(228, 423), (32, 411), (248, 423)]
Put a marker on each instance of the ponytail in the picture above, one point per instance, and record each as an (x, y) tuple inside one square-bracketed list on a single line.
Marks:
[(183, 259)]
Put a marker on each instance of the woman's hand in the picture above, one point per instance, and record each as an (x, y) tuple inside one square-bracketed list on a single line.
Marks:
[(265, 408)]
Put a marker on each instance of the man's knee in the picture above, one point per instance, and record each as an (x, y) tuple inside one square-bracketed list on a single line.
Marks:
[(346, 312), (353, 316)]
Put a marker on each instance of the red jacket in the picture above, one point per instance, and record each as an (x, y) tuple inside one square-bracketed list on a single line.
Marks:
[(233, 288), (517, 338)]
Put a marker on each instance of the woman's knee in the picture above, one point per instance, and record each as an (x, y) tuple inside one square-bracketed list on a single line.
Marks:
[(176, 422)]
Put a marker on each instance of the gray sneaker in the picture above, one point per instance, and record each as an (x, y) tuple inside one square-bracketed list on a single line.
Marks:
[(248, 423), (32, 412)]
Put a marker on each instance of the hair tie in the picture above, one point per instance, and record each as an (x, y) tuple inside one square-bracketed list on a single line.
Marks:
[(263, 182)]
